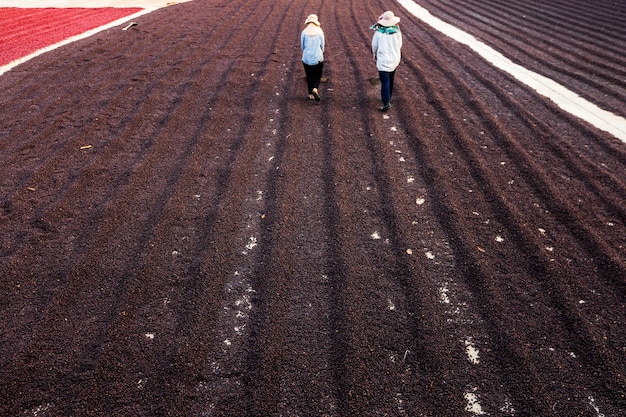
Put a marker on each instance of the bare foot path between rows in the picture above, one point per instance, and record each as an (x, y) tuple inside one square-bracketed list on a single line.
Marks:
[(185, 233)]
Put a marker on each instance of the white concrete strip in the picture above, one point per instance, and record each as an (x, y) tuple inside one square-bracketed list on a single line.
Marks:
[(147, 5), (564, 98)]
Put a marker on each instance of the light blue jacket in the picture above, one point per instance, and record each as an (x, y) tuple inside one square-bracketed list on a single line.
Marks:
[(312, 44)]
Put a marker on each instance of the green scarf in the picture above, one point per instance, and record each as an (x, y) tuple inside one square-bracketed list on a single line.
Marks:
[(385, 29)]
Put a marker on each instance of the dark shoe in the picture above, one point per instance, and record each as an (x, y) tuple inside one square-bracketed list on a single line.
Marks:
[(316, 94), (386, 107)]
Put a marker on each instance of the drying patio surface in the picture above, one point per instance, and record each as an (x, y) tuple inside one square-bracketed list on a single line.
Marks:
[(184, 233)]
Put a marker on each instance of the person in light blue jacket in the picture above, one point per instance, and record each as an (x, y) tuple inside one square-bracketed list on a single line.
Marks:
[(312, 43), (386, 47)]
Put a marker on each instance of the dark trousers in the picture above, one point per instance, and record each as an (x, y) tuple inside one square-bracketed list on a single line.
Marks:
[(313, 75), (386, 85)]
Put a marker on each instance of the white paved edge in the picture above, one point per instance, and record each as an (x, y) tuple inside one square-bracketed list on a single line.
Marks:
[(564, 98), (150, 7)]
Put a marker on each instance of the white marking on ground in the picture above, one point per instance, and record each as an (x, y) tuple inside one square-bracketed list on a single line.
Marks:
[(507, 407), (443, 294), (564, 98), (40, 409), (251, 244), (375, 235), (400, 404), (235, 311), (592, 403), (473, 405), (472, 352), (141, 384)]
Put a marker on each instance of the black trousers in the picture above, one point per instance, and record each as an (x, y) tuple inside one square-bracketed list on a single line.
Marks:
[(313, 75)]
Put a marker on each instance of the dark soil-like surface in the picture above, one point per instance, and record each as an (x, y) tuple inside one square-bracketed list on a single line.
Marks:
[(184, 233)]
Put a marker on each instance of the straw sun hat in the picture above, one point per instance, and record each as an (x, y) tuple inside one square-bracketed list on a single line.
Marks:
[(312, 18), (388, 19)]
